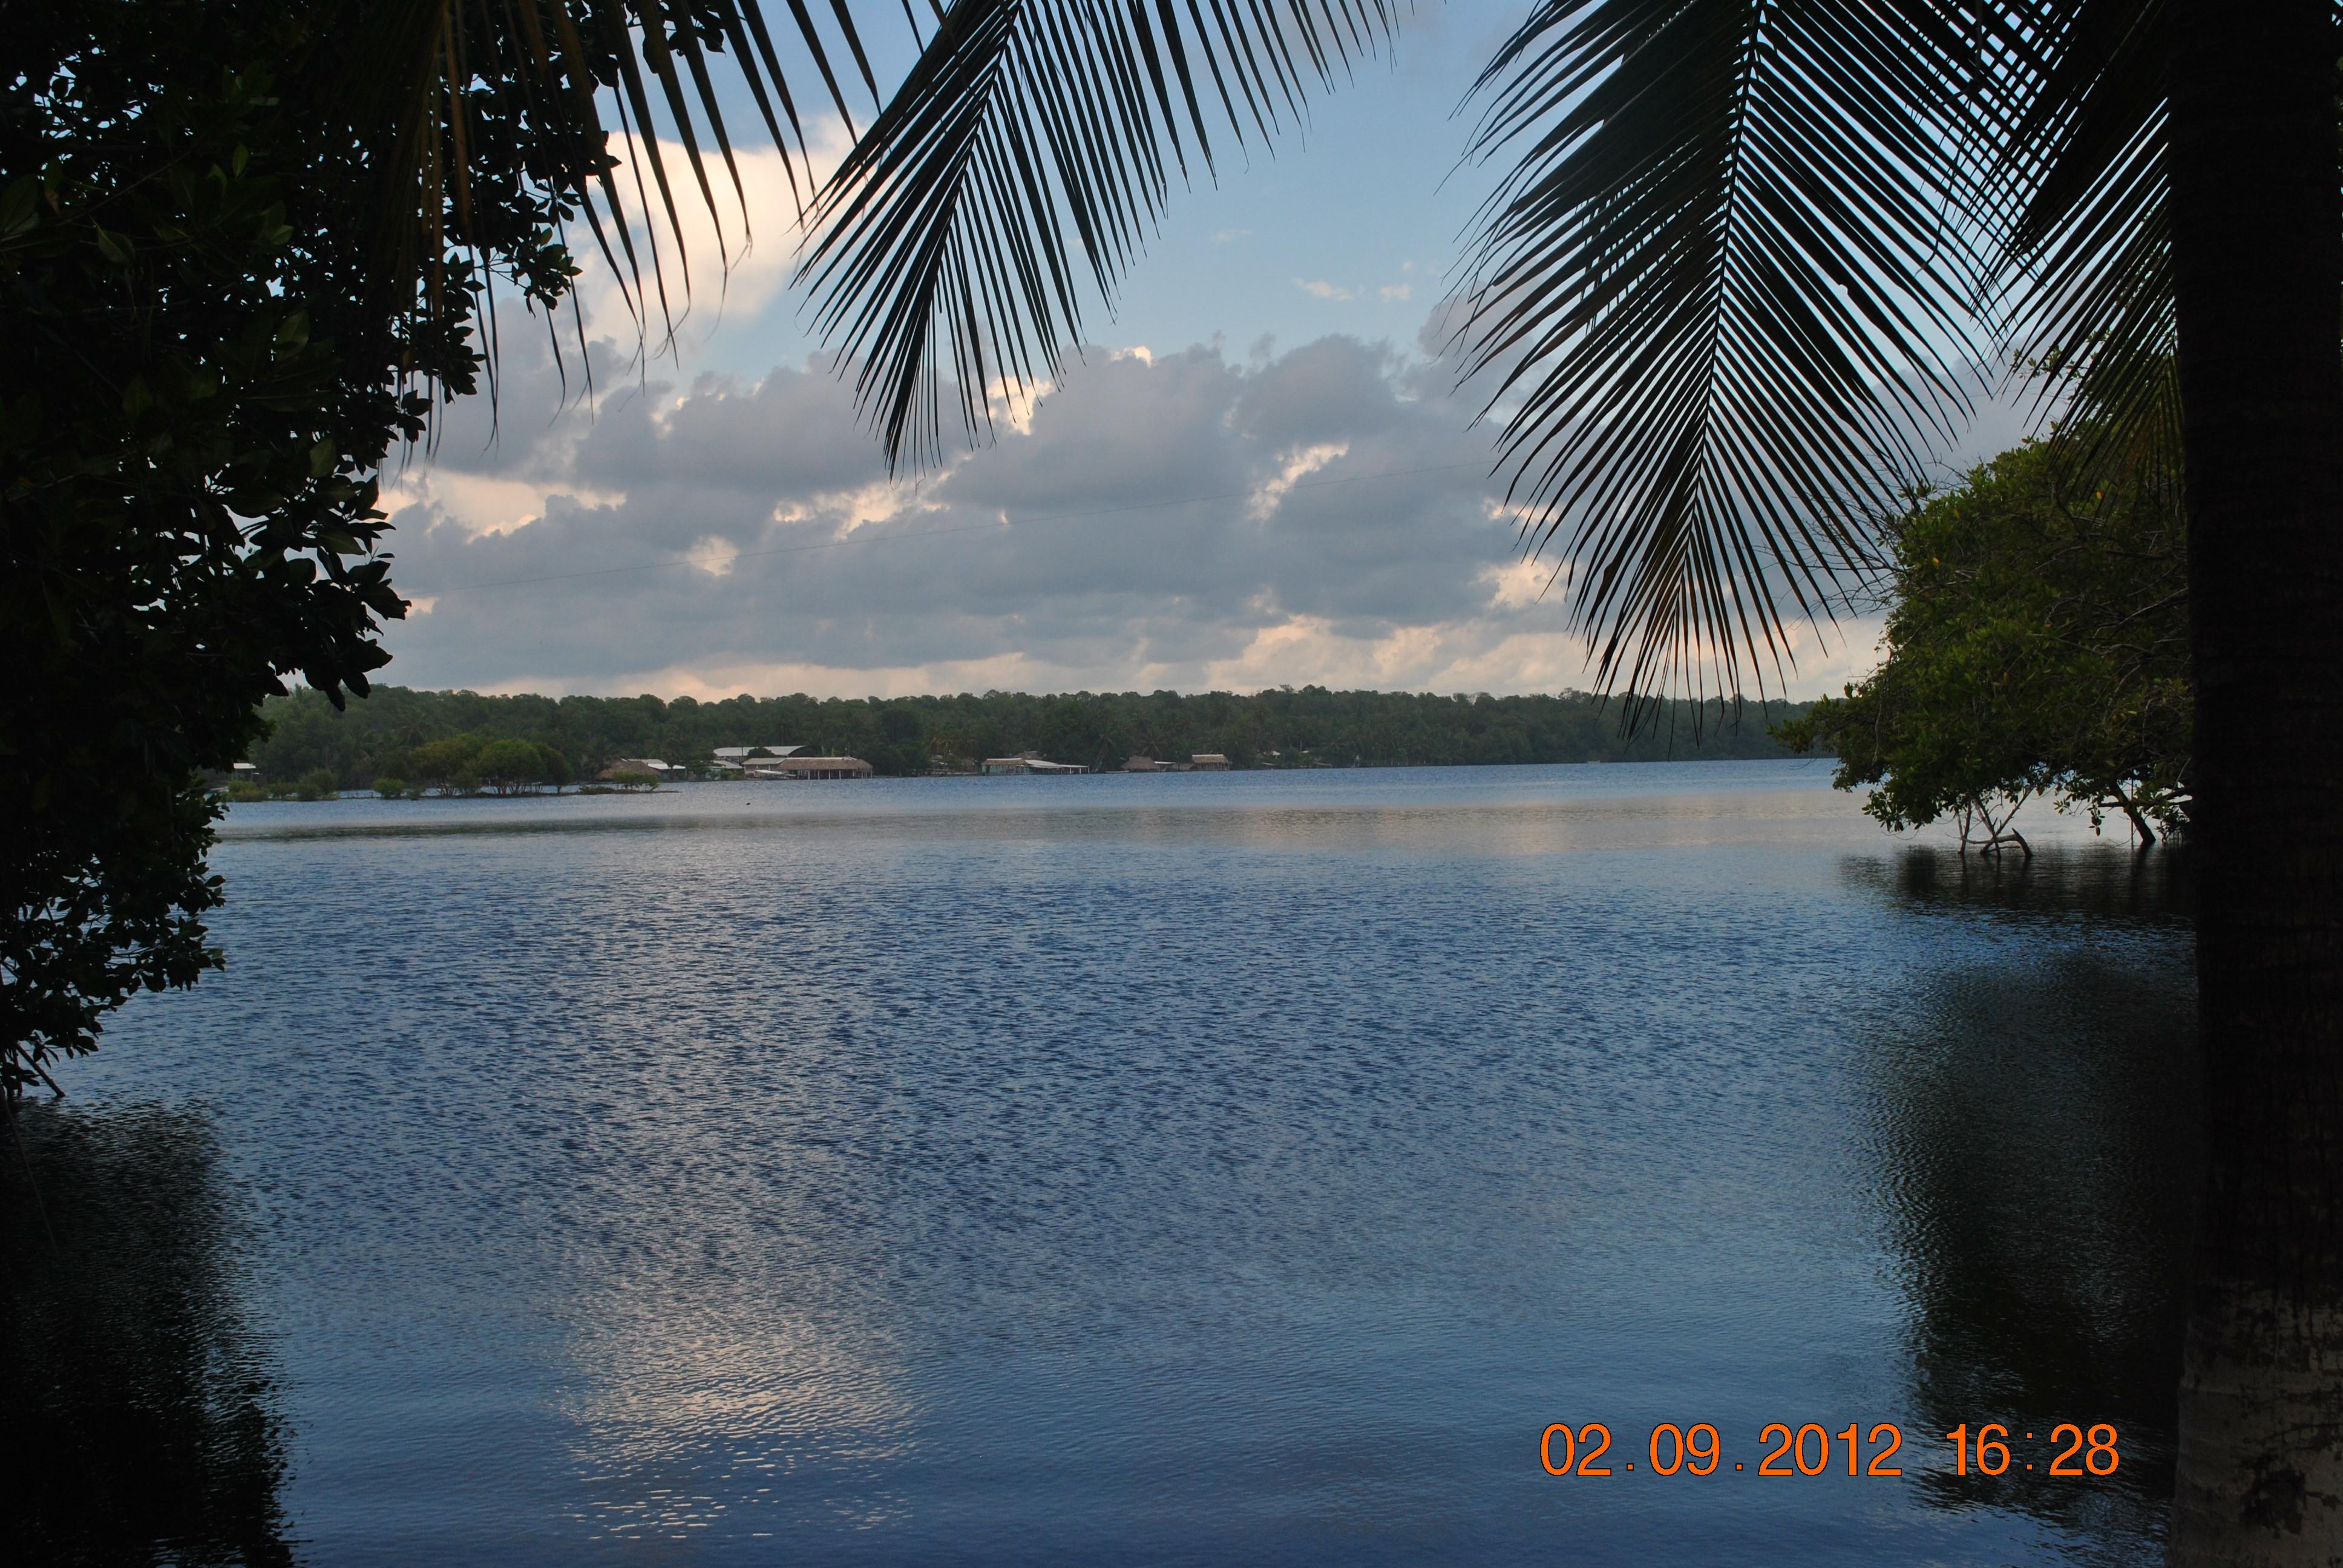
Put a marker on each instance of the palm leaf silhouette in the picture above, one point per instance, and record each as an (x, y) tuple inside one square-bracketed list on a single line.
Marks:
[(1025, 159), (1723, 299), (423, 82), (2090, 259)]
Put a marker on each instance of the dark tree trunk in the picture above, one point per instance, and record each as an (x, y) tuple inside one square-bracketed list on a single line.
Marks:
[(2258, 264)]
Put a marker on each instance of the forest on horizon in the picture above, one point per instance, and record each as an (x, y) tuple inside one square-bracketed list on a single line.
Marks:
[(1308, 726)]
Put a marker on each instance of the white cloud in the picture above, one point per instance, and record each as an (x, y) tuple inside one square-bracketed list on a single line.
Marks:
[(1524, 581), (483, 503), (1319, 288), (1324, 290), (1298, 465), (1157, 519), (713, 556), (731, 263)]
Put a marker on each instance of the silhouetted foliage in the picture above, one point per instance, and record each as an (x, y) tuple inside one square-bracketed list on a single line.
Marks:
[(243, 247), (203, 369)]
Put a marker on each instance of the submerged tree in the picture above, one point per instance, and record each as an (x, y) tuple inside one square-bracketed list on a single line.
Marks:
[(2037, 644)]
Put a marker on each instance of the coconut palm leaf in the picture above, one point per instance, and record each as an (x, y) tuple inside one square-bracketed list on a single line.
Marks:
[(2089, 256), (431, 83), (1024, 162), (1723, 301)]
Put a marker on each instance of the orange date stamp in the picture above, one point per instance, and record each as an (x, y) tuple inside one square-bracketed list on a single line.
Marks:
[(2070, 1450)]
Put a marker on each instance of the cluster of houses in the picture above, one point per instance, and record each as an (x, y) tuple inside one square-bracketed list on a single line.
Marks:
[(1032, 762), (1028, 762), (1198, 762), (785, 762), (790, 762), (747, 762)]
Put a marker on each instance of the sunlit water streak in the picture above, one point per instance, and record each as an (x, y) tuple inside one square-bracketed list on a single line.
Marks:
[(1190, 1169)]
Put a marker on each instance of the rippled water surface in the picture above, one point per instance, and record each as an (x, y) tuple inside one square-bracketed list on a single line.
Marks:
[(1198, 1169)]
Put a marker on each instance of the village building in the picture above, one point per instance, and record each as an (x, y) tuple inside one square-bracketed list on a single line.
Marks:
[(1029, 762), (1198, 762), (784, 763), (807, 768)]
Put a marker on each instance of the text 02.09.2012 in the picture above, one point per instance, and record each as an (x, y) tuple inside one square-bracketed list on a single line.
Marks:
[(1813, 1449)]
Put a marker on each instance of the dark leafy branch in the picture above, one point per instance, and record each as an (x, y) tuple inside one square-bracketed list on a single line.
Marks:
[(2037, 644)]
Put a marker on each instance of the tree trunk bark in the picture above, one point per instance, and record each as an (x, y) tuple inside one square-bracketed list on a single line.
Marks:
[(2258, 256), (2138, 823)]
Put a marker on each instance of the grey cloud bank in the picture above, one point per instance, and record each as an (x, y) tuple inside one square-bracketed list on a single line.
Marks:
[(1158, 520)]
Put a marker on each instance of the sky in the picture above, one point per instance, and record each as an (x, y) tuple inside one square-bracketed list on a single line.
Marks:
[(1259, 470)]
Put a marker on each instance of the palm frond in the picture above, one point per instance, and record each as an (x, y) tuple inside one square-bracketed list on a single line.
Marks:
[(1724, 305), (2090, 252), (1023, 163), (431, 86)]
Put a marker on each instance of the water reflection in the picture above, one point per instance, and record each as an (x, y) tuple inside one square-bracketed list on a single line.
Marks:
[(142, 1411), (1030, 1184), (2035, 1140), (690, 1413), (1256, 822), (2100, 880)]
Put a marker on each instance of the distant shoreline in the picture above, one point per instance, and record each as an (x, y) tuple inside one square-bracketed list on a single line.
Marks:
[(462, 740)]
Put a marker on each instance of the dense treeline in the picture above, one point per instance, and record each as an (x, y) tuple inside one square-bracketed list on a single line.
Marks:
[(390, 731)]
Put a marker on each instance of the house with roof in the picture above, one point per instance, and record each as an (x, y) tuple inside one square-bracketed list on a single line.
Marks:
[(1029, 762)]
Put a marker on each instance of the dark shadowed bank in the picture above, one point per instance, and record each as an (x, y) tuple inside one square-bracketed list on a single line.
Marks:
[(1293, 728)]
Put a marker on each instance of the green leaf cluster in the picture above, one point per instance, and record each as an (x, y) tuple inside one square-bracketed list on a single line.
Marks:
[(2037, 644), (465, 763)]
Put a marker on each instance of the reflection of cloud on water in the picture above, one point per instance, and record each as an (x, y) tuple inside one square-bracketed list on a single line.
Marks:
[(688, 1414), (1537, 811), (730, 1369)]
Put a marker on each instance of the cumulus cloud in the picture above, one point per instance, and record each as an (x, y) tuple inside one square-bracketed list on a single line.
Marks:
[(1389, 293), (1173, 519), (724, 263), (1319, 288)]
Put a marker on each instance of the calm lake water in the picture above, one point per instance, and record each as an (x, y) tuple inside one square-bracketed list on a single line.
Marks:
[(1205, 1169)]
